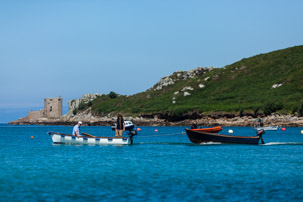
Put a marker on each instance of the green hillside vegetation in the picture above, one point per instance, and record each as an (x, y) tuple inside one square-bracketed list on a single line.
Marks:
[(245, 87)]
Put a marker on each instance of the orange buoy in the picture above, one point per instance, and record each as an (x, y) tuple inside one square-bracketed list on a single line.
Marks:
[(138, 129), (32, 137), (283, 129), (156, 130)]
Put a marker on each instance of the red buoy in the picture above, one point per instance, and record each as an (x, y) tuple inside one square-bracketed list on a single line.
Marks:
[(138, 129), (283, 129), (156, 130)]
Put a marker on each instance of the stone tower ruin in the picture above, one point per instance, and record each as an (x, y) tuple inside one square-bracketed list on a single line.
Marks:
[(52, 107)]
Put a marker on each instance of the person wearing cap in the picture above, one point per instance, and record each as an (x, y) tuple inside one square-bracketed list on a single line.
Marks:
[(76, 129)]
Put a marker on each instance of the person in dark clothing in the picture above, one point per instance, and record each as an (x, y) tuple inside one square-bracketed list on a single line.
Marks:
[(260, 122), (120, 126)]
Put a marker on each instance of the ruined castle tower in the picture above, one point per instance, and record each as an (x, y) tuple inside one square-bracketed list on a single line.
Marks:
[(52, 107)]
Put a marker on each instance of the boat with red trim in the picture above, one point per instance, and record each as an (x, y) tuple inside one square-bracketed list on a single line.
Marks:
[(198, 137), (209, 130)]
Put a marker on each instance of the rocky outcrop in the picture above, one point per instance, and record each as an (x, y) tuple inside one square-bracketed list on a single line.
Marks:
[(164, 82), (74, 104), (276, 85), (180, 75)]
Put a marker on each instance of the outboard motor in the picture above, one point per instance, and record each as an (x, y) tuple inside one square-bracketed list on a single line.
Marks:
[(132, 133), (260, 133)]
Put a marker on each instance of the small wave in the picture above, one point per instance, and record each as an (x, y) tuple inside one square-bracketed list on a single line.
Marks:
[(210, 143), (283, 143)]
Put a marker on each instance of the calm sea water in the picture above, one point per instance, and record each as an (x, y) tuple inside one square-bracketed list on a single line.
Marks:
[(160, 166)]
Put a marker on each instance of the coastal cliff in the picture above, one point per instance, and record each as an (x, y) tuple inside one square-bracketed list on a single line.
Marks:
[(267, 85)]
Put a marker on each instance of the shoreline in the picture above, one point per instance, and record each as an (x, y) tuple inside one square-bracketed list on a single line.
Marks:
[(279, 120)]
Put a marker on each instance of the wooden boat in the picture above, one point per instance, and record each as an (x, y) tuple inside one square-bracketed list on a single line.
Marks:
[(60, 138), (198, 137), (209, 130), (272, 128)]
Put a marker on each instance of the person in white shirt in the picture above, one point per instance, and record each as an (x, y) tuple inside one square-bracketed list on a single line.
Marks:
[(76, 129)]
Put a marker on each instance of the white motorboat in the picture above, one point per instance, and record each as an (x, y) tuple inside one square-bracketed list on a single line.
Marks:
[(60, 138), (128, 126), (267, 128)]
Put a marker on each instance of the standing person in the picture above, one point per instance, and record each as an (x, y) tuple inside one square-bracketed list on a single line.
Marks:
[(76, 129), (120, 126), (260, 122)]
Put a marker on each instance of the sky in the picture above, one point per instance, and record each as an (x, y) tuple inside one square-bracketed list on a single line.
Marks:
[(68, 48)]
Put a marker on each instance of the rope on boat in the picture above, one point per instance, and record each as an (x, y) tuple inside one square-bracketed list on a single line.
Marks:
[(182, 133)]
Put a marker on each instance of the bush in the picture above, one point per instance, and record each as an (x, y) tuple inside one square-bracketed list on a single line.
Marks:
[(176, 114), (301, 110), (272, 107), (89, 103), (75, 111), (294, 109), (256, 111), (112, 94), (81, 106)]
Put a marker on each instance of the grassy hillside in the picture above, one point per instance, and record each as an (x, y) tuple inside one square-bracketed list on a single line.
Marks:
[(246, 86)]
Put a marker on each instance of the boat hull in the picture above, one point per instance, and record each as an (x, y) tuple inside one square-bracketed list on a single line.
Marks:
[(59, 138), (199, 137)]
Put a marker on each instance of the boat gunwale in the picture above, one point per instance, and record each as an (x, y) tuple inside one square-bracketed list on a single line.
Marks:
[(212, 130)]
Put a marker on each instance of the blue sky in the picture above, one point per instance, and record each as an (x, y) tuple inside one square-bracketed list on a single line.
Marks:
[(73, 47)]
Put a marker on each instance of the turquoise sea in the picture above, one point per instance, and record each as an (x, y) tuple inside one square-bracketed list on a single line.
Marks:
[(160, 166)]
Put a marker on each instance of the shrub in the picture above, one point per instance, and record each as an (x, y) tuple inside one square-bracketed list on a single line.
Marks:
[(272, 107), (112, 94), (256, 110), (81, 106), (294, 109), (75, 111), (176, 114), (301, 110), (241, 112)]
